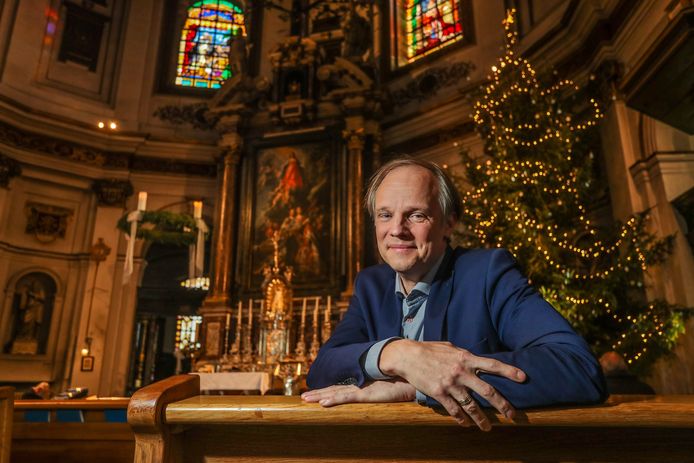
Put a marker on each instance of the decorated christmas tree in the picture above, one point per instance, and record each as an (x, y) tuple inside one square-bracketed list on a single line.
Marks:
[(528, 193)]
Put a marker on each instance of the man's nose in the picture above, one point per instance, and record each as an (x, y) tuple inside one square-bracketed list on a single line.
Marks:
[(398, 226)]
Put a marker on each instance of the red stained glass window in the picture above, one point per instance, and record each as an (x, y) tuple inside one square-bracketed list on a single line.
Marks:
[(428, 25)]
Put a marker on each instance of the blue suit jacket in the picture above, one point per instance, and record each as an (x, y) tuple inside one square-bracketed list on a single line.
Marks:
[(479, 301)]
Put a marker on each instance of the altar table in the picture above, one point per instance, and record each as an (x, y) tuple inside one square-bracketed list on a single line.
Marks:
[(173, 423), (235, 381)]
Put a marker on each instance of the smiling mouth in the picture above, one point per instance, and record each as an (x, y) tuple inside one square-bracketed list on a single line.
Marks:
[(401, 247)]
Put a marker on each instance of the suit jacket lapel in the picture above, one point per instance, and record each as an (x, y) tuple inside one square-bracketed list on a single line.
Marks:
[(439, 297), (390, 313)]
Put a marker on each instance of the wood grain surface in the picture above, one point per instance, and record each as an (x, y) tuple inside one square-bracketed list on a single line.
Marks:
[(6, 412), (216, 429), (95, 439), (619, 411), (72, 404)]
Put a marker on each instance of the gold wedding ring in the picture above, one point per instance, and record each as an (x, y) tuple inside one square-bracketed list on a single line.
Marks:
[(465, 402)]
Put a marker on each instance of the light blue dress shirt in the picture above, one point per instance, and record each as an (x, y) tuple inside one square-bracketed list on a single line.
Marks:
[(413, 310)]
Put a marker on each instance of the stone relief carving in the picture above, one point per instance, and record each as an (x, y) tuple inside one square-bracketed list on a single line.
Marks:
[(72, 151), (82, 154), (112, 191), (46, 222), (430, 82), (192, 114)]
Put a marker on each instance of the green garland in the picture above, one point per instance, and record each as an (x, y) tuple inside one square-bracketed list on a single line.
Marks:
[(163, 227)]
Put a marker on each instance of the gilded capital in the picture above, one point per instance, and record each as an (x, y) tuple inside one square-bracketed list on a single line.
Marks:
[(354, 138), (232, 155)]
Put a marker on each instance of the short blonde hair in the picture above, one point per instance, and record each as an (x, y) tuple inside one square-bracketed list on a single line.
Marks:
[(448, 196)]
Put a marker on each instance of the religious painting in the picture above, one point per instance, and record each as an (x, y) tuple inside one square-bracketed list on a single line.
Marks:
[(31, 314), (293, 198)]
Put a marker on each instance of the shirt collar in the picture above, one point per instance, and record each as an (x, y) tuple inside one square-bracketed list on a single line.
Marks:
[(424, 285)]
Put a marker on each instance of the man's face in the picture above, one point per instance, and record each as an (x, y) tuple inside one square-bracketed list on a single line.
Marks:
[(410, 226)]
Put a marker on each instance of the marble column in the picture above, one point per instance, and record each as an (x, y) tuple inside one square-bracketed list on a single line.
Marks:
[(354, 255), (218, 302)]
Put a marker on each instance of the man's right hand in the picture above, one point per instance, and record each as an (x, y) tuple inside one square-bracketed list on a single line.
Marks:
[(447, 374)]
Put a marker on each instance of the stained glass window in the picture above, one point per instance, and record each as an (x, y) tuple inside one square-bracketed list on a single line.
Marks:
[(187, 332), (203, 52), (429, 25)]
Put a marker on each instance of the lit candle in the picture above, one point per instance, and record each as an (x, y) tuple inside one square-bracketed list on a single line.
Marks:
[(298, 370), (142, 201), (197, 209)]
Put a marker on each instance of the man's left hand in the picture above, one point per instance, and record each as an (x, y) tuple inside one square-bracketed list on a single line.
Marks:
[(395, 390)]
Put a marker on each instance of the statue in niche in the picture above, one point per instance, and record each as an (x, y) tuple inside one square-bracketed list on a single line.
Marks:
[(238, 54), (357, 36), (33, 303)]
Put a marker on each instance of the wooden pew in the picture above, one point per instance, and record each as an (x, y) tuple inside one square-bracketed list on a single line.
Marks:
[(173, 423), (6, 409), (72, 431)]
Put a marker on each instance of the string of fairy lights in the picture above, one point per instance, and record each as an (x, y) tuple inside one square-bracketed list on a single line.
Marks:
[(550, 125)]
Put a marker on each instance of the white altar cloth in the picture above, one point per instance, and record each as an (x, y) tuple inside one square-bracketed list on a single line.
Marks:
[(235, 381)]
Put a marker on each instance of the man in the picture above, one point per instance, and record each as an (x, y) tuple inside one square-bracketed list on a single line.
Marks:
[(462, 329)]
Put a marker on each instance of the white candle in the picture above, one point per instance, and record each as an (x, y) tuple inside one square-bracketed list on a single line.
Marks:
[(315, 312), (197, 209), (250, 313), (142, 201), (303, 312), (240, 315)]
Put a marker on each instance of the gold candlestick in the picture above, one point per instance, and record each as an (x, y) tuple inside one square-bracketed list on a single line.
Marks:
[(313, 353), (236, 347), (325, 331), (246, 355), (301, 344)]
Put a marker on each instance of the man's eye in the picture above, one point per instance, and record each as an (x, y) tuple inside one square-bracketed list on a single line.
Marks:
[(417, 217), (383, 216)]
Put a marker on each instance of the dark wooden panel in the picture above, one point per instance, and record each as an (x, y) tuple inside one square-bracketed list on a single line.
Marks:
[(433, 443)]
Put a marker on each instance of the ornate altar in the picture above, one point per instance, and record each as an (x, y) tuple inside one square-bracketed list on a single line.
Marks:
[(299, 139)]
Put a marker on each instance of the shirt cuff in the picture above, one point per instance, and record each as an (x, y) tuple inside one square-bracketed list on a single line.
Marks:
[(420, 398), (373, 355)]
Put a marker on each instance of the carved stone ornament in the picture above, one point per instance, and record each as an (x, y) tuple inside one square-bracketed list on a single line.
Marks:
[(21, 139), (430, 82), (192, 114), (46, 222), (112, 191), (294, 52), (9, 168), (82, 154)]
